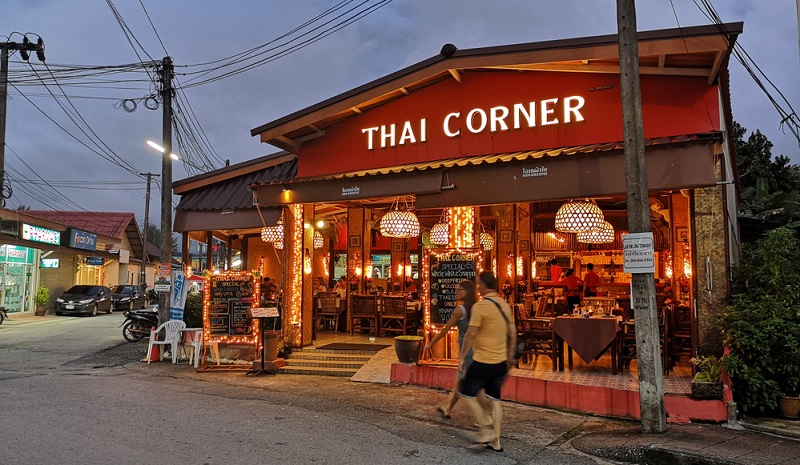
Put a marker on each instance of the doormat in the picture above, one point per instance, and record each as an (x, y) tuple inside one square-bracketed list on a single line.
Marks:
[(345, 346)]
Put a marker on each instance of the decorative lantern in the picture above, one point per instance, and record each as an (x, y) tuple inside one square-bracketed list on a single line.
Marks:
[(601, 236), (272, 233), (399, 223), (319, 242), (487, 241), (440, 234), (579, 216)]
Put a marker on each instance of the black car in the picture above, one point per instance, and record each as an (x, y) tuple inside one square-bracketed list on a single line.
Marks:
[(128, 297), (84, 300)]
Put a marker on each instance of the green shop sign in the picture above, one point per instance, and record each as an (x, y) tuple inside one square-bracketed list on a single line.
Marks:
[(16, 254)]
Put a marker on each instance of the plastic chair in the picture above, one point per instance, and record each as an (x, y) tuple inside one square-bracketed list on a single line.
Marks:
[(172, 337)]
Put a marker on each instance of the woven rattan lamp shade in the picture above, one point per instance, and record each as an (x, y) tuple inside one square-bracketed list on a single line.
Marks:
[(319, 242), (579, 216), (440, 234), (398, 223), (601, 236), (487, 241), (272, 233)]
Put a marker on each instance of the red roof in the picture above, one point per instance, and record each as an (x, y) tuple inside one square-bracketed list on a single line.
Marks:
[(111, 224)]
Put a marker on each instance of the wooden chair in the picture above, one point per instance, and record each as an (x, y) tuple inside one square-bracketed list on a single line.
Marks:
[(540, 309), (327, 311), (681, 334), (364, 313), (395, 315), (627, 342), (537, 334)]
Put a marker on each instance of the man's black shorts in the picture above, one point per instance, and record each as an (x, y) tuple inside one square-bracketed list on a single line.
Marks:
[(489, 377)]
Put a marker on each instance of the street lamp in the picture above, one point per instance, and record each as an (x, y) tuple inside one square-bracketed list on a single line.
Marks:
[(173, 156)]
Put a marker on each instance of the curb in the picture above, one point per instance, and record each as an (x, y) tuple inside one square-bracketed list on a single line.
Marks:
[(651, 455)]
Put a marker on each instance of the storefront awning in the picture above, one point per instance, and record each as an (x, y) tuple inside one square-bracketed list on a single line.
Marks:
[(343, 188), (224, 220)]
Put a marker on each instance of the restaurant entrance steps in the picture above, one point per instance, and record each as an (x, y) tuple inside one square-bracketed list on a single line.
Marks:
[(325, 362)]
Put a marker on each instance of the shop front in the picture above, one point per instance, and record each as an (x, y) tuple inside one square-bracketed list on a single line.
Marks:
[(17, 271), (490, 156)]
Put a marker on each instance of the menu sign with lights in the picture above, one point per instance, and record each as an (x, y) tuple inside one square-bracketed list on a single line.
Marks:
[(230, 297), (446, 271), (38, 234)]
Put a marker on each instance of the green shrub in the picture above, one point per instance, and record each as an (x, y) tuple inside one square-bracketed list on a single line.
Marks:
[(709, 369), (42, 296), (193, 310), (761, 325)]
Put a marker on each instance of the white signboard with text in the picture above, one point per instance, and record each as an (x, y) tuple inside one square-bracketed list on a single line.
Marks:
[(638, 251)]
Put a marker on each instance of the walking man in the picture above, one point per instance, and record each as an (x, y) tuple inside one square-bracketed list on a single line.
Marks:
[(492, 338)]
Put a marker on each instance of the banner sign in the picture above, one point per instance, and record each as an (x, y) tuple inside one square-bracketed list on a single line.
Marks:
[(95, 260), (82, 240), (177, 298), (38, 234)]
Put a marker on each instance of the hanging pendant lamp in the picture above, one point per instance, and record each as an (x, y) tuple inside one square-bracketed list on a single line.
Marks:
[(486, 240), (440, 232), (272, 233), (319, 242), (604, 235), (579, 216), (399, 223)]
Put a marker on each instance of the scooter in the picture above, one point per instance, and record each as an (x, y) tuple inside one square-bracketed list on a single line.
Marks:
[(3, 315), (138, 324)]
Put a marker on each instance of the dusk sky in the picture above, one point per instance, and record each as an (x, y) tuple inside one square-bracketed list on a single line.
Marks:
[(222, 111)]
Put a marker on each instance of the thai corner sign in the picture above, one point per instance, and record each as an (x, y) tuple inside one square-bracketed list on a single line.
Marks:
[(638, 253), (39, 234), (163, 276), (82, 240)]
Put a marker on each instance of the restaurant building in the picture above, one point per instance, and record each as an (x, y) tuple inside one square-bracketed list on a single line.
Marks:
[(491, 146)]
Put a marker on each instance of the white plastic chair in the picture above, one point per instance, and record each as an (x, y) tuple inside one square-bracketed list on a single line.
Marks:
[(172, 337)]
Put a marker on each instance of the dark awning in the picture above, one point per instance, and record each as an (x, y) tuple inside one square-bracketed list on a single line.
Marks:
[(350, 188), (669, 166), (224, 220)]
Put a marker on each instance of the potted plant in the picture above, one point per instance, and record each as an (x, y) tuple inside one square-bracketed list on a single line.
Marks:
[(289, 336), (408, 348), (707, 383), (41, 298)]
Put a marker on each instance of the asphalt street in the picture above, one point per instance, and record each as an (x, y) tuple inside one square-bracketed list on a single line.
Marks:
[(72, 391)]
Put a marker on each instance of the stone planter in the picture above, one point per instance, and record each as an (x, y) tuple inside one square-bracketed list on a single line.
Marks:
[(789, 406), (408, 348), (707, 390), (41, 310)]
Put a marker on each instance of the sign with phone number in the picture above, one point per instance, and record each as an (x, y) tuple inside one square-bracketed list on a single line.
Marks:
[(639, 253)]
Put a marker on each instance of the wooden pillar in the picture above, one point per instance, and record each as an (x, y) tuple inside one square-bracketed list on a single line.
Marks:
[(505, 245), (243, 250), (356, 259), (228, 252), (524, 242), (209, 252), (307, 250), (186, 258)]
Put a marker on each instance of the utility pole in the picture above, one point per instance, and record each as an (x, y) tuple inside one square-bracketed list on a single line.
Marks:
[(648, 356), (166, 72), (143, 278), (24, 52)]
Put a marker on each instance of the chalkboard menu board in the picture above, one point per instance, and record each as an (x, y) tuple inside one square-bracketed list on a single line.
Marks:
[(446, 271), (230, 296)]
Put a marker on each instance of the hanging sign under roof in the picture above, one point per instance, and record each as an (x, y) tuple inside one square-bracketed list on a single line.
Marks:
[(82, 240), (39, 234)]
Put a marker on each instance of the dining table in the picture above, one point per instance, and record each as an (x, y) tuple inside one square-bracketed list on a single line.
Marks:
[(590, 337)]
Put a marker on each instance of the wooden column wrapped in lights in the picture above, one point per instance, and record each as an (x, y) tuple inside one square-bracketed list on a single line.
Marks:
[(293, 270), (505, 248), (462, 227), (400, 258), (307, 251), (524, 245), (356, 237)]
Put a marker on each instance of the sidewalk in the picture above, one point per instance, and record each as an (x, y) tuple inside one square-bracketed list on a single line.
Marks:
[(16, 319), (696, 444)]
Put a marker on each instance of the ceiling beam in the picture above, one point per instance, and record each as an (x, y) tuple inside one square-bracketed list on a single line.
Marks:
[(456, 75)]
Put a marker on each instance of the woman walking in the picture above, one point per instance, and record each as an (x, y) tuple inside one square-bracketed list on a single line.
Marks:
[(466, 298)]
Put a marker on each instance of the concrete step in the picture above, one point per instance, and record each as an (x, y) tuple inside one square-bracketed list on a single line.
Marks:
[(298, 362), (321, 371), (335, 351), (329, 356)]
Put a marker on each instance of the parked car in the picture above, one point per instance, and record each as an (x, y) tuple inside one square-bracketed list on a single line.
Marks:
[(85, 300), (128, 297)]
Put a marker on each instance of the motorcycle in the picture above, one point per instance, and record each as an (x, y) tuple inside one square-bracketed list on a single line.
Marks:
[(3, 314), (138, 324)]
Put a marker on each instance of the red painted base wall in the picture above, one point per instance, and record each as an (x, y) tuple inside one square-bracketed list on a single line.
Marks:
[(590, 399)]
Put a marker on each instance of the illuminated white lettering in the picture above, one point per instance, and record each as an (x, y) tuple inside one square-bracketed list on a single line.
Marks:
[(481, 117), (447, 130), (499, 114), (408, 134), (369, 132), (387, 135), (423, 130), (529, 114), (570, 109), (547, 111)]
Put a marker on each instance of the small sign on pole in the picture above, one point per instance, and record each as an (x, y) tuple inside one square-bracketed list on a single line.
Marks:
[(163, 276), (639, 253)]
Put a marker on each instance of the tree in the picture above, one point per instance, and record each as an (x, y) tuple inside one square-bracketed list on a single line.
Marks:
[(156, 238), (770, 189)]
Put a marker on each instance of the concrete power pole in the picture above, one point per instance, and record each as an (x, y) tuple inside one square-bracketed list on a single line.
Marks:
[(166, 71), (24, 49), (143, 276), (648, 356)]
